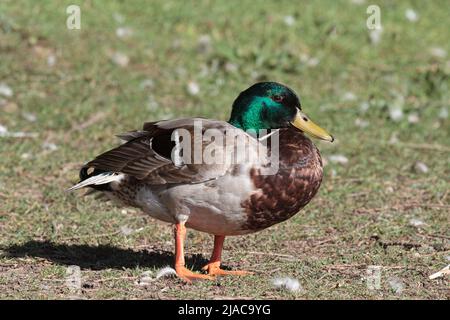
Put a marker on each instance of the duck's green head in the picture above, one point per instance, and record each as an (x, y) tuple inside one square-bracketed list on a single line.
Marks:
[(271, 105)]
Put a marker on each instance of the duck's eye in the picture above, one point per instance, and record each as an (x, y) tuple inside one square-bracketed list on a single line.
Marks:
[(277, 98)]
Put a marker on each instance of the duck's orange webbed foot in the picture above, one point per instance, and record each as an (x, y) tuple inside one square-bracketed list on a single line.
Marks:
[(189, 276), (182, 272), (213, 269)]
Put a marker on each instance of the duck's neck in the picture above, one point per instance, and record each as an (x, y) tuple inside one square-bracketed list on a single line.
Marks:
[(248, 115)]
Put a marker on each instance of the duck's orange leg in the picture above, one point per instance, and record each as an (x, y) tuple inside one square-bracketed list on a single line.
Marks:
[(213, 266), (184, 273)]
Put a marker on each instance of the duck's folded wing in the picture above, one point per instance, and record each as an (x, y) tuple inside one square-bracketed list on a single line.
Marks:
[(147, 154)]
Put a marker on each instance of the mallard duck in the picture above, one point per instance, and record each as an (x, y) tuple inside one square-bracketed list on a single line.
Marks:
[(220, 198)]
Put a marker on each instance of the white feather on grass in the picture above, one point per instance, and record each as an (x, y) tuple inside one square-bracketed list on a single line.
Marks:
[(165, 272), (287, 283), (147, 278)]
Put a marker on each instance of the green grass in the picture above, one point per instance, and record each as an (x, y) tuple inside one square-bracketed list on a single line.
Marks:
[(362, 214)]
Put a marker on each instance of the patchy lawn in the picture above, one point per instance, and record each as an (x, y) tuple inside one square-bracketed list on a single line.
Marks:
[(385, 96)]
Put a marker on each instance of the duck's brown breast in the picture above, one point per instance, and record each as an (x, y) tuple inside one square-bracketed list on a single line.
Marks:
[(280, 196)]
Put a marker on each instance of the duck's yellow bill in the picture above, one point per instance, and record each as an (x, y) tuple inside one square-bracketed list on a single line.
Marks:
[(303, 123)]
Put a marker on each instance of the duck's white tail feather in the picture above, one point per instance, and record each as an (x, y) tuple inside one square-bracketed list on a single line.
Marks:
[(102, 178)]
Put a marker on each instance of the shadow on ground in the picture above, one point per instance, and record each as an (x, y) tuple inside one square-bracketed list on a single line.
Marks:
[(98, 257)]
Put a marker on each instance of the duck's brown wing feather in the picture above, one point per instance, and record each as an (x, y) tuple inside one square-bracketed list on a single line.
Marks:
[(147, 154)]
